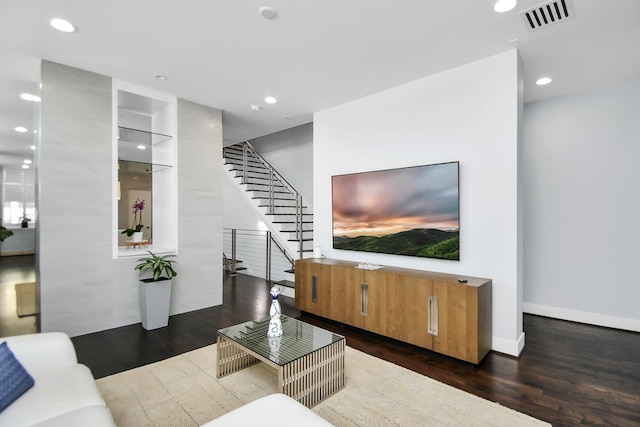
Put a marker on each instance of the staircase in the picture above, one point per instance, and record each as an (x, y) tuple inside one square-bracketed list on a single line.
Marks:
[(282, 208)]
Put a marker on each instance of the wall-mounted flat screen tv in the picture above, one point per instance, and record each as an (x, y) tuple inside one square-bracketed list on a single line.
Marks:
[(412, 211)]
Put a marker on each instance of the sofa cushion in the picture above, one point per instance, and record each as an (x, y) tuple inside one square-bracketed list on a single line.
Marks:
[(275, 410), (14, 378), (57, 391), (30, 349), (93, 416)]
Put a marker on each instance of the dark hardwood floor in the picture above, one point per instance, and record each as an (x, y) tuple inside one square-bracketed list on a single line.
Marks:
[(569, 374), (13, 270)]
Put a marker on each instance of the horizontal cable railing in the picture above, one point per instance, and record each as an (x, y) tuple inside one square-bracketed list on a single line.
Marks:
[(254, 251)]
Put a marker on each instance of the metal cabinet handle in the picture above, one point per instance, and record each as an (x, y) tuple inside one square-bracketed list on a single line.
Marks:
[(364, 299), (433, 316), (314, 288)]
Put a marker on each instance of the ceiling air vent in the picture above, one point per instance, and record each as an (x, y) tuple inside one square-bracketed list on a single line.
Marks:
[(549, 13)]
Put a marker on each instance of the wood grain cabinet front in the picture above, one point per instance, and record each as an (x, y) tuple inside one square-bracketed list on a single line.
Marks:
[(431, 310)]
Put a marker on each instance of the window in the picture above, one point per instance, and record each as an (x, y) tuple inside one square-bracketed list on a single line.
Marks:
[(18, 196)]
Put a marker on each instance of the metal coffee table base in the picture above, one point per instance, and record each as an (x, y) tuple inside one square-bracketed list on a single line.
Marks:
[(308, 379)]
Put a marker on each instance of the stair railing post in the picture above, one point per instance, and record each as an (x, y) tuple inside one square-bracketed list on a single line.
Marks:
[(268, 261), (245, 161), (299, 224), (233, 251), (271, 197)]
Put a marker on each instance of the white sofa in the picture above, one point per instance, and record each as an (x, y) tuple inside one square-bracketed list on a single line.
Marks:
[(275, 410), (65, 393)]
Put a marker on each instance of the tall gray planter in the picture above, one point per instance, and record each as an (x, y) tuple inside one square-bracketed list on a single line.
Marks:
[(155, 300)]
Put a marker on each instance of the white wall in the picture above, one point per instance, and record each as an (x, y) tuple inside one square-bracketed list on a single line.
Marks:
[(468, 114), (74, 167), (200, 211), (291, 153), (23, 242), (238, 210), (83, 288), (581, 156)]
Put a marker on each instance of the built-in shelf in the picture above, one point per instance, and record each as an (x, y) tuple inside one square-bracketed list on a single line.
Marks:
[(145, 140), (143, 166), (137, 136), (138, 146)]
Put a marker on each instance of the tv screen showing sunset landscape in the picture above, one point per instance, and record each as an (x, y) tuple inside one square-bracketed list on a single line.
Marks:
[(410, 211)]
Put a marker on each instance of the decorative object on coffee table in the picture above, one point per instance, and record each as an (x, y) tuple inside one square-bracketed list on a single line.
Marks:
[(275, 325)]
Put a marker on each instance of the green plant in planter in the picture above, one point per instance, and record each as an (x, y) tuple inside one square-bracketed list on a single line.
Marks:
[(24, 220), (4, 233), (158, 265)]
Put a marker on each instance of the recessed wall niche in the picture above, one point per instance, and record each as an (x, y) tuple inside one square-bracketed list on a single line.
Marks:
[(145, 170)]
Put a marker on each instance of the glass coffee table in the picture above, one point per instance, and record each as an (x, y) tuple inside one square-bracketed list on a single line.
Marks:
[(309, 360)]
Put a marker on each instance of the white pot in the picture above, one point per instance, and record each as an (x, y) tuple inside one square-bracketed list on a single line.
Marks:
[(155, 300), (137, 236)]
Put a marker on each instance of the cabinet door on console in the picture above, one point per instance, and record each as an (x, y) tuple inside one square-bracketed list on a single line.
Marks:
[(458, 325), (313, 287), (321, 290), (413, 299), (303, 277), (346, 295), (398, 306), (382, 307)]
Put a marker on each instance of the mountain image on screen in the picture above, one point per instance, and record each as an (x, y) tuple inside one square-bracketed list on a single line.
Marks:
[(409, 211)]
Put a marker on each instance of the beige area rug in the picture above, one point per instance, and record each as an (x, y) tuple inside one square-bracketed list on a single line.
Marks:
[(26, 299), (184, 391)]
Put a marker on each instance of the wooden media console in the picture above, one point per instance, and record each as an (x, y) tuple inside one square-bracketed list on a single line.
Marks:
[(446, 313)]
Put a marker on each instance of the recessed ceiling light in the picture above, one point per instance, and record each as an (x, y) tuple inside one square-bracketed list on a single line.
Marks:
[(270, 100), (160, 77), (141, 147), (502, 6), (25, 166), (33, 147), (21, 129), (268, 12), (62, 25), (30, 97), (255, 107), (27, 161), (543, 81)]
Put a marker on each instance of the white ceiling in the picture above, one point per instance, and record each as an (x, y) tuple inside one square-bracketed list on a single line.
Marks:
[(316, 54)]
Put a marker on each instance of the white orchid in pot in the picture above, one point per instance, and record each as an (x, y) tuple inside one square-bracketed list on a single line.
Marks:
[(155, 291)]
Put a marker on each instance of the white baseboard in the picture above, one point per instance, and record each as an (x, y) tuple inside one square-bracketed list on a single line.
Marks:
[(582, 317), (512, 348)]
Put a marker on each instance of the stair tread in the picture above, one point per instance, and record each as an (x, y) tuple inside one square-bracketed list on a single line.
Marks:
[(288, 214), (275, 198), (285, 283), (279, 206)]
